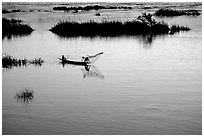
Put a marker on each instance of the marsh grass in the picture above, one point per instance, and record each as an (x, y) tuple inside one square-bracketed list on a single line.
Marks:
[(14, 27), (177, 28), (25, 95), (171, 12), (36, 62), (10, 62), (144, 24)]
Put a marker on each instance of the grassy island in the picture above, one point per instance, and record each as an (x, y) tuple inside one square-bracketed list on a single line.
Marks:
[(172, 13), (14, 27), (144, 24)]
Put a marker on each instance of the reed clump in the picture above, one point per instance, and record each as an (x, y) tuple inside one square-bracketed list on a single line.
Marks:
[(177, 28), (25, 95), (14, 27), (144, 24), (171, 12), (10, 62), (36, 61)]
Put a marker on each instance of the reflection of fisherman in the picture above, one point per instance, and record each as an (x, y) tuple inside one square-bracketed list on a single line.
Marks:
[(87, 67), (63, 57)]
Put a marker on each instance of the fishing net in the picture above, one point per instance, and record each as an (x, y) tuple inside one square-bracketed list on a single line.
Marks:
[(91, 71), (93, 58)]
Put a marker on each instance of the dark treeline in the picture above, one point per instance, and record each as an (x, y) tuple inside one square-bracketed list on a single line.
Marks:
[(10, 62), (171, 12), (142, 25), (14, 27), (94, 7)]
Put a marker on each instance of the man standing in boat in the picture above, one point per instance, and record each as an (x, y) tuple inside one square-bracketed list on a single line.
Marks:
[(63, 57), (86, 59)]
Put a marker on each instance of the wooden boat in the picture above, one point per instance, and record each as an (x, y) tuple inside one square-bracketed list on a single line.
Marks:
[(73, 62), (91, 59)]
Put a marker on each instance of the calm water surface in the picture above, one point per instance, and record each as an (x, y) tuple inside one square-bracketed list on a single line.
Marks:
[(140, 85)]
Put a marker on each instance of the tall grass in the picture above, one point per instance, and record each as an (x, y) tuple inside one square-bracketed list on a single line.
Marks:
[(177, 28), (10, 62), (25, 95), (142, 25), (14, 27)]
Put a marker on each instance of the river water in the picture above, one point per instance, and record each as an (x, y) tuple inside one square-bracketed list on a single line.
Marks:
[(140, 85)]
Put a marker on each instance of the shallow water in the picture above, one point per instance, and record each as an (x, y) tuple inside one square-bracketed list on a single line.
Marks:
[(140, 85)]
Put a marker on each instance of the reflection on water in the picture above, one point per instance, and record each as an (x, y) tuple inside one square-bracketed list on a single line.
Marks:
[(89, 71), (25, 96), (154, 91), (13, 36), (145, 39)]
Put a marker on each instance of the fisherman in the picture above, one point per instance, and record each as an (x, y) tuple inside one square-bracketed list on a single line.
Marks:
[(63, 57), (86, 60)]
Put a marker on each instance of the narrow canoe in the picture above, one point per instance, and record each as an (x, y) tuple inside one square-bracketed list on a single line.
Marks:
[(73, 62)]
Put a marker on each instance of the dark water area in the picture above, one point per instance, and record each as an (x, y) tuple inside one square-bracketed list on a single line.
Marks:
[(142, 85)]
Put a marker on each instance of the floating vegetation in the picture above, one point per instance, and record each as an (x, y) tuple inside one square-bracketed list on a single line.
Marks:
[(171, 12), (87, 8), (25, 96), (10, 62), (36, 62), (142, 25), (14, 27), (98, 14), (177, 28)]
